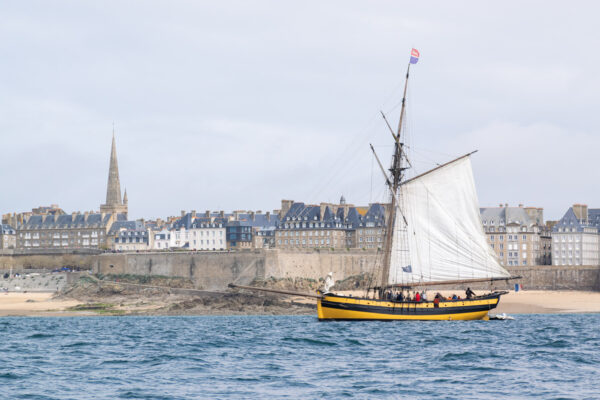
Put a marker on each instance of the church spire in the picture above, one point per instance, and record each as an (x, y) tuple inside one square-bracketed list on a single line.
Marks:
[(113, 190), (114, 202)]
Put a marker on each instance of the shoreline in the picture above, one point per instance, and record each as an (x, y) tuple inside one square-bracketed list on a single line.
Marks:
[(40, 304)]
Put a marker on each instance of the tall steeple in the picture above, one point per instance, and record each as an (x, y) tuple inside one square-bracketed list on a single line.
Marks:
[(114, 204), (113, 190)]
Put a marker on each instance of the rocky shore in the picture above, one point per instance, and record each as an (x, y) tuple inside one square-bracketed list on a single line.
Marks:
[(143, 295)]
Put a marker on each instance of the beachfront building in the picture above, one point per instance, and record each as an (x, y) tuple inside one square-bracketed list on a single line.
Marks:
[(251, 230), (334, 226), (133, 240), (68, 231), (369, 228), (207, 234), (131, 236), (8, 237), (518, 235), (196, 232), (162, 240), (575, 239)]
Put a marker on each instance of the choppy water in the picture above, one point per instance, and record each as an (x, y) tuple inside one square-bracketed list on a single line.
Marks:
[(534, 356)]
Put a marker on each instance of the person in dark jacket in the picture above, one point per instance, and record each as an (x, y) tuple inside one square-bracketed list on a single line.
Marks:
[(470, 294)]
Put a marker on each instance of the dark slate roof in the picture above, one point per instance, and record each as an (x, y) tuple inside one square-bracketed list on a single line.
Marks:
[(6, 229), (594, 216), (127, 226), (203, 222), (245, 219), (132, 236), (500, 216), (570, 221), (299, 212), (94, 220), (259, 220)]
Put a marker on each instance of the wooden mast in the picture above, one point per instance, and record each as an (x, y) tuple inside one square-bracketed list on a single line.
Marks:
[(397, 171)]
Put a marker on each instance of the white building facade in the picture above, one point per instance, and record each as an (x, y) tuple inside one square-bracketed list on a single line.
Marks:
[(575, 239)]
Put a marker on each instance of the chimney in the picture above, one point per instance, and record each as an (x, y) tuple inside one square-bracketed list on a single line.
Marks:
[(193, 213), (183, 213), (222, 214), (268, 216), (581, 211), (285, 206), (322, 207), (520, 205), (500, 205), (252, 217), (505, 204), (85, 216), (207, 213)]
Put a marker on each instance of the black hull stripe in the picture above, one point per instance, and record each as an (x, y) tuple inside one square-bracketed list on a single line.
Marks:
[(408, 310)]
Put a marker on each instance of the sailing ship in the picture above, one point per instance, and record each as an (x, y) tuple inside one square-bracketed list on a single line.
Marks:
[(434, 236)]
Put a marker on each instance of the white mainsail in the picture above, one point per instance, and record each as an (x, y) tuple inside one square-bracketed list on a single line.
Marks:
[(443, 238)]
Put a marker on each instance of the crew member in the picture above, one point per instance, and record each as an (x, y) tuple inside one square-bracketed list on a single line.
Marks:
[(470, 294)]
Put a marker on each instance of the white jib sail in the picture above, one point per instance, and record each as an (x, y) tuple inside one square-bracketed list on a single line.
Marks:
[(444, 238)]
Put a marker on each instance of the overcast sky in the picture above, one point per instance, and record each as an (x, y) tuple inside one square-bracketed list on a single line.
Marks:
[(235, 105)]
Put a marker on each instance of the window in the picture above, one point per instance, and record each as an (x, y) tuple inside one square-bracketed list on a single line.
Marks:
[(524, 237)]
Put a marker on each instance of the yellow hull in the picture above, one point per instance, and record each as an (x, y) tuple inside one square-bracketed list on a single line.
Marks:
[(334, 307)]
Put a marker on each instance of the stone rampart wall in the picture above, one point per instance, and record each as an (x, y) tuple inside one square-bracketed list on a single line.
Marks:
[(211, 271), (18, 262), (214, 270)]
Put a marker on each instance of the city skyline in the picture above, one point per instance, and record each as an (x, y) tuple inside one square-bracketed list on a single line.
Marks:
[(230, 108)]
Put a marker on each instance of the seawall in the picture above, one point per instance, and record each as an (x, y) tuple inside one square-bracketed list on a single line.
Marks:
[(214, 270)]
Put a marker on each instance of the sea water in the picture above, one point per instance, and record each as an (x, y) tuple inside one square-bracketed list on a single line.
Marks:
[(534, 356)]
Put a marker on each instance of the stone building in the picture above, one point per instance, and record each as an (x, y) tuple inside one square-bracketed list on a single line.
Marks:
[(575, 239), (369, 228), (215, 231), (336, 226), (194, 232), (8, 237), (51, 228), (518, 235), (69, 231), (131, 236), (251, 230)]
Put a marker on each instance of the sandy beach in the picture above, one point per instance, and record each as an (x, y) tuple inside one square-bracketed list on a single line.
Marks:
[(34, 304), (523, 302)]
